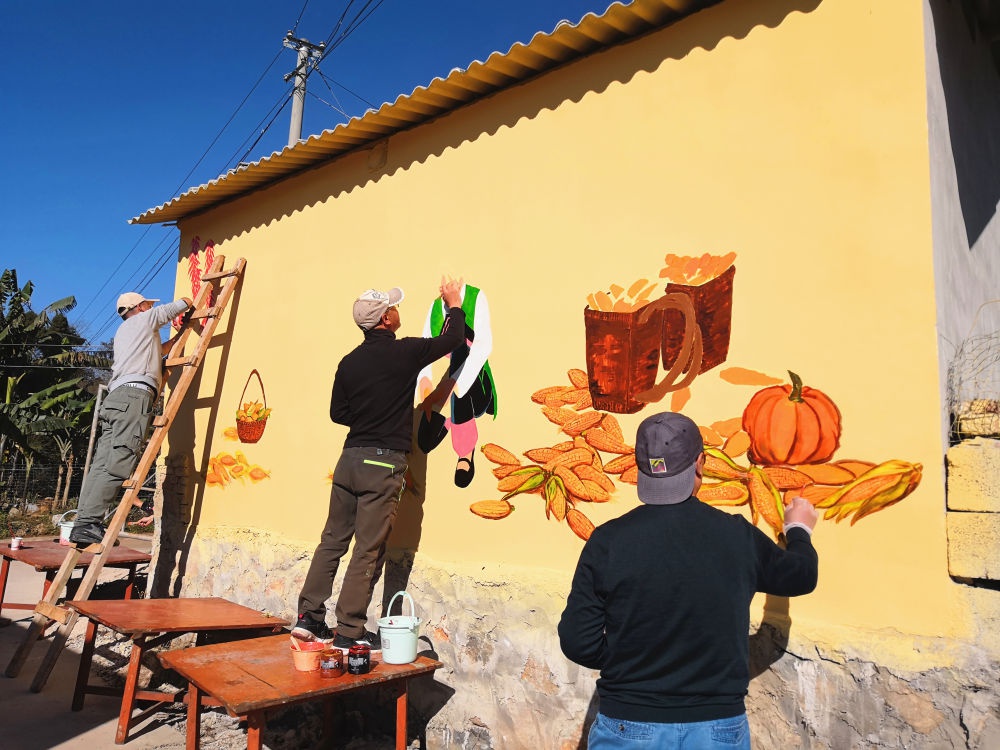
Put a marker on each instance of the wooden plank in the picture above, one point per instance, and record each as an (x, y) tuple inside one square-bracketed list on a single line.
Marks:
[(53, 612), (47, 554), (187, 615), (257, 674)]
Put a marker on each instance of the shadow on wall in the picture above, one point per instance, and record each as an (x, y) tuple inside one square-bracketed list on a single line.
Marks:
[(703, 30), (184, 482), (404, 540), (971, 85)]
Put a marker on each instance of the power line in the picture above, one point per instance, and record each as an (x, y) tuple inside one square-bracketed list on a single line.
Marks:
[(338, 83), (301, 13), (333, 41)]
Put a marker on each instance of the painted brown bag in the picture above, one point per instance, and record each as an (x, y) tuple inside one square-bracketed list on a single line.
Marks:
[(624, 349), (713, 309), (251, 432)]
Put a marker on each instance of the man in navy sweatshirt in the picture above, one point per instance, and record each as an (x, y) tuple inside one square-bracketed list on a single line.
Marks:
[(660, 602)]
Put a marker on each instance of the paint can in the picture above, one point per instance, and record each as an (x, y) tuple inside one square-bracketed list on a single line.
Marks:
[(15, 543), (359, 659), (331, 663)]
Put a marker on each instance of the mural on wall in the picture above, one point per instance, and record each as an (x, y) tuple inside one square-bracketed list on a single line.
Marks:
[(224, 467), (197, 267), (783, 444), (474, 391), (251, 419), (688, 328)]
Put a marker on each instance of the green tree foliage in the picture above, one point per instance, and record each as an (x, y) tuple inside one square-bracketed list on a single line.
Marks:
[(46, 383)]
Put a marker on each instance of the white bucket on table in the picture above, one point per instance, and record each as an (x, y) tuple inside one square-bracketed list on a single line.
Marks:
[(65, 525), (399, 633)]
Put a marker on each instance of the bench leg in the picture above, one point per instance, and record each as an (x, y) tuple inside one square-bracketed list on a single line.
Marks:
[(130, 583), (255, 728), (86, 658), (401, 715), (131, 683), (194, 717), (4, 570)]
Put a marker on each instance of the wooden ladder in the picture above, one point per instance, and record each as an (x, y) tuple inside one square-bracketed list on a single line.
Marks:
[(47, 610)]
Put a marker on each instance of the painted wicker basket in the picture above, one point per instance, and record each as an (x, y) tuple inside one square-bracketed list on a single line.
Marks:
[(251, 432)]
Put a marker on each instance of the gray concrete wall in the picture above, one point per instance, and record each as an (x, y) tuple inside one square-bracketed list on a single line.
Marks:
[(963, 114)]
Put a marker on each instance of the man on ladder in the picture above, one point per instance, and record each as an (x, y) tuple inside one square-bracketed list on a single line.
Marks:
[(127, 411)]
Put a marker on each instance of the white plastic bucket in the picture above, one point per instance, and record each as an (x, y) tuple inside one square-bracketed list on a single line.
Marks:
[(65, 525), (399, 633)]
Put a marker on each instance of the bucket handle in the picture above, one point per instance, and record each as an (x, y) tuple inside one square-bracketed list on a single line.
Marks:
[(61, 518), (413, 609)]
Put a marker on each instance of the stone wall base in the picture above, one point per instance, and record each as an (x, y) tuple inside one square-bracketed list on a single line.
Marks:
[(505, 683)]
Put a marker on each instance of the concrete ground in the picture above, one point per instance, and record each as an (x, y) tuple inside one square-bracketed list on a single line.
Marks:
[(43, 720)]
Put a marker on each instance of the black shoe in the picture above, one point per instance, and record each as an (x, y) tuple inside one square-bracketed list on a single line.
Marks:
[(370, 639), (308, 629), (430, 432), (87, 533), (463, 477)]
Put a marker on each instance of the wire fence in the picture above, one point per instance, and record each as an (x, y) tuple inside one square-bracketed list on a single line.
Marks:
[(974, 387), (28, 490)]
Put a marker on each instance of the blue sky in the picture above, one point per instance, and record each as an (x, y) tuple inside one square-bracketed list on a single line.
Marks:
[(112, 108)]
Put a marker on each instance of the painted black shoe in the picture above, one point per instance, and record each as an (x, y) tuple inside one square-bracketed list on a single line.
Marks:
[(308, 629), (370, 639), (87, 533), (463, 476)]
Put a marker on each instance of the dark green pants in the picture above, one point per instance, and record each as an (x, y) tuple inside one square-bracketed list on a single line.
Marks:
[(367, 486)]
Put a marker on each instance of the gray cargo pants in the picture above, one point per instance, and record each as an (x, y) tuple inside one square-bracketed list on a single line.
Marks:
[(124, 420), (367, 486)]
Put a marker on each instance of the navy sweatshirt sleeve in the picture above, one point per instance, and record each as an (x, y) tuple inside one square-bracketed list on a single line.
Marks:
[(792, 571)]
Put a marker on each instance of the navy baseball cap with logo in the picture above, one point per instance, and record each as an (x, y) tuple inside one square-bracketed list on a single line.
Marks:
[(667, 447)]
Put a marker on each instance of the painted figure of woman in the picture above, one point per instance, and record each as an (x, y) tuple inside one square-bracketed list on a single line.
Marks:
[(471, 387)]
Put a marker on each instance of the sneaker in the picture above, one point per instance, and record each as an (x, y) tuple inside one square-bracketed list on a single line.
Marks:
[(87, 533), (370, 639), (308, 629)]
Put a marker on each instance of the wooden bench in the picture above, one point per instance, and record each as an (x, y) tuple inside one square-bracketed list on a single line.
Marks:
[(47, 555), (251, 676), (150, 623)]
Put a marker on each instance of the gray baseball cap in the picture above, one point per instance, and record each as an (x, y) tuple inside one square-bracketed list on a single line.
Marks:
[(372, 304), (667, 446)]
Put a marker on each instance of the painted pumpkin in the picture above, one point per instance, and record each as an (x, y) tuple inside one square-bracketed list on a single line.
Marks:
[(791, 424)]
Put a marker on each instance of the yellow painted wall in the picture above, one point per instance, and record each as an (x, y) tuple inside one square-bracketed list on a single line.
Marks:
[(793, 134)]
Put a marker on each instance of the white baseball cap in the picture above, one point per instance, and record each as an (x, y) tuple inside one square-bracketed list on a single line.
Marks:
[(130, 299), (372, 304)]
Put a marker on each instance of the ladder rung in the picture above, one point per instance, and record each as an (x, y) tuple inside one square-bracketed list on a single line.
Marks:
[(180, 361), (129, 484), (208, 312), (160, 421), (218, 275), (59, 614)]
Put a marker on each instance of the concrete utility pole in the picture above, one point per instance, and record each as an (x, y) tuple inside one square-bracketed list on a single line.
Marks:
[(308, 56)]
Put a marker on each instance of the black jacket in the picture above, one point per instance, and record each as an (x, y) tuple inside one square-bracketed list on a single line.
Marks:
[(375, 383), (660, 603)]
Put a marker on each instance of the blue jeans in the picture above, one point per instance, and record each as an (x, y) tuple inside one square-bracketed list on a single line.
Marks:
[(618, 734)]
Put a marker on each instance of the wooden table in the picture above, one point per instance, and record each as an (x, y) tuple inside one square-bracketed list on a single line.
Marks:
[(47, 555), (150, 623), (252, 676)]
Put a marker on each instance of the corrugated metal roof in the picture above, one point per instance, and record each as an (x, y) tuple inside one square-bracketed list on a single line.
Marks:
[(523, 61)]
